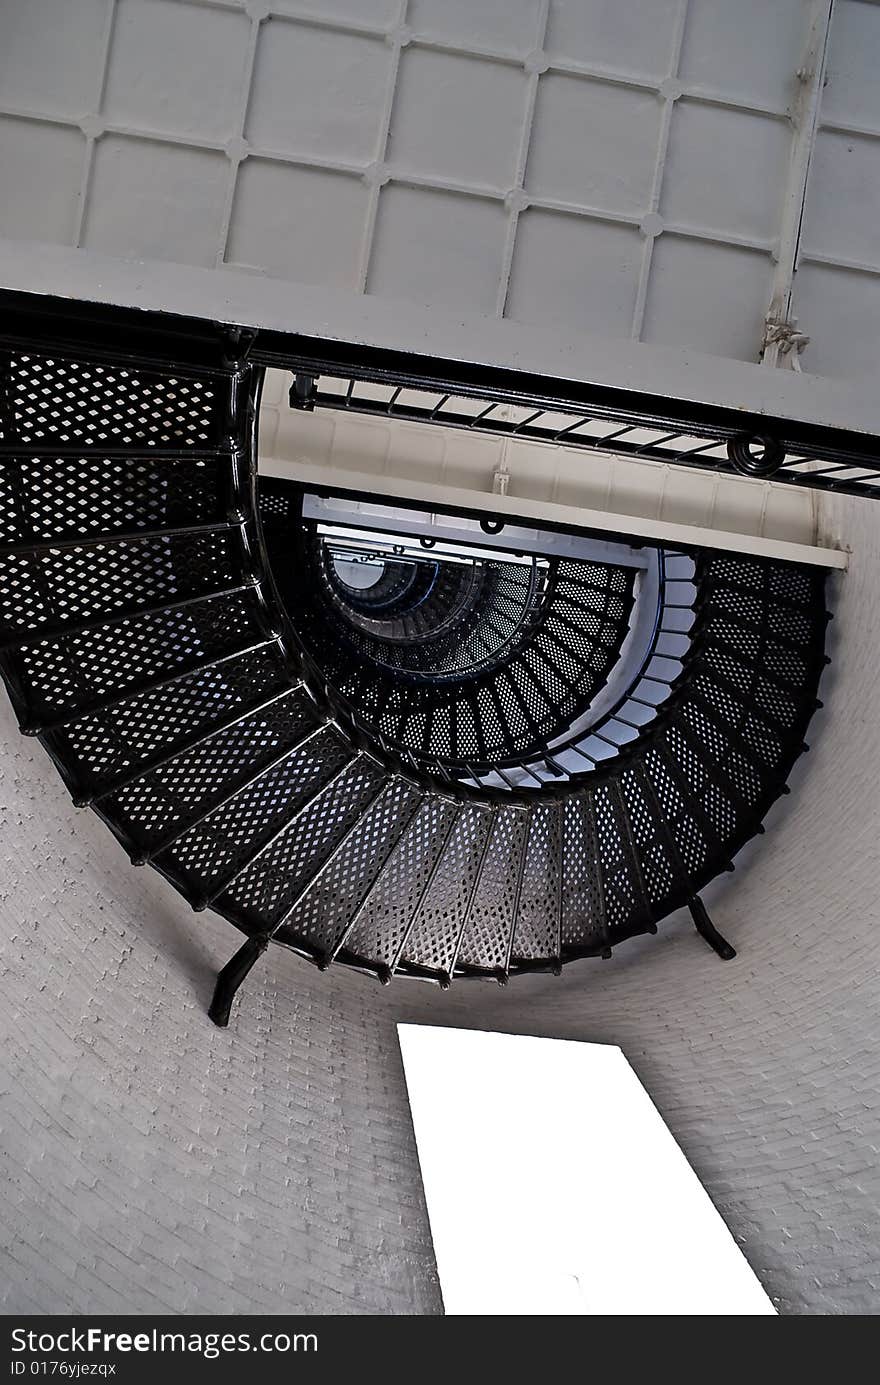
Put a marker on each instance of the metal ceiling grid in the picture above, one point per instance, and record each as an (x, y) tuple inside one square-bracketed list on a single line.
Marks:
[(623, 169)]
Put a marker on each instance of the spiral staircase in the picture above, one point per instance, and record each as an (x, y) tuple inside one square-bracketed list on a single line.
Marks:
[(406, 763)]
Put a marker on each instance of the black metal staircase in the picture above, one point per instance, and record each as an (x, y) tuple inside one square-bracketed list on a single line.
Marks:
[(406, 782), (483, 661)]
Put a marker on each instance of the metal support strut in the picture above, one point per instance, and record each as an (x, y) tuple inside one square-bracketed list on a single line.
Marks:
[(303, 392), (706, 929), (230, 977)]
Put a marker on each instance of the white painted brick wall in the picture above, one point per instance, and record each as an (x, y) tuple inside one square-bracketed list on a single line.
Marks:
[(154, 1163)]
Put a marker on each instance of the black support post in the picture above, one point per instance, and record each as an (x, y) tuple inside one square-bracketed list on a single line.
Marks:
[(303, 392), (230, 977), (706, 929)]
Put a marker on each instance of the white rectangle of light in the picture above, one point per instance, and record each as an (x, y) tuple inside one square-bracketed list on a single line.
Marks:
[(553, 1185)]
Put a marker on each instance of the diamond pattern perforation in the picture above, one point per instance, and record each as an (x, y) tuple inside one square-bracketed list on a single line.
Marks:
[(582, 912), (13, 527), (749, 608), (791, 588), (565, 692), (595, 575), (794, 626), (581, 632), (797, 585), (787, 664), (722, 701), (532, 694), (538, 921), (227, 839), (321, 917), (438, 922), (735, 570), (68, 497), (456, 646), (711, 731), (492, 727), (720, 796), (757, 638), (381, 926), (266, 890), (657, 869), (762, 741), (580, 654), (747, 644), (65, 674), (173, 795), (690, 841), (70, 401), (624, 909), (65, 586), (775, 704), (468, 740), (525, 668), (762, 722), (741, 676), (486, 939), (114, 741), (600, 622)]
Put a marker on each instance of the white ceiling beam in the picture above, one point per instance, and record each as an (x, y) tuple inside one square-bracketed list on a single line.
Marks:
[(439, 496), (426, 462)]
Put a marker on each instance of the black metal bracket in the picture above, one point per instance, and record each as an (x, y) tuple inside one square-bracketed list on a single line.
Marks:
[(303, 392), (706, 929), (230, 977)]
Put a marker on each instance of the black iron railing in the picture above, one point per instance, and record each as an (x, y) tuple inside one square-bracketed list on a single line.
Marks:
[(592, 419)]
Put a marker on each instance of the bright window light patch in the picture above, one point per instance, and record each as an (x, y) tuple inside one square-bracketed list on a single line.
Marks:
[(554, 1187)]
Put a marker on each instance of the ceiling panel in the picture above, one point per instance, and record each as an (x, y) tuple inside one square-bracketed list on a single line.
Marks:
[(624, 168)]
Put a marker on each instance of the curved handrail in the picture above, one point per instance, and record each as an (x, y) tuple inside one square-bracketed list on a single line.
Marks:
[(574, 744)]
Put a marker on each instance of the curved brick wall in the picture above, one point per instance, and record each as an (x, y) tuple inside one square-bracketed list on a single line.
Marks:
[(155, 1163), (152, 1163)]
